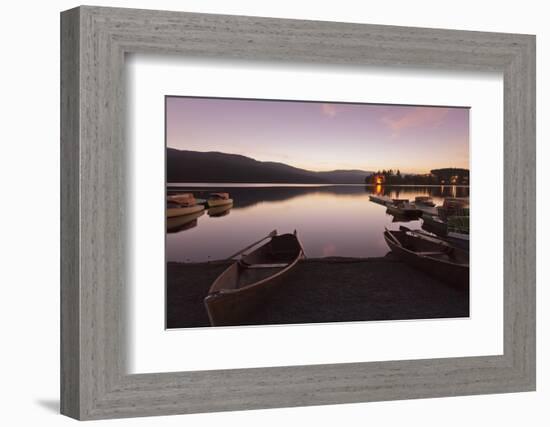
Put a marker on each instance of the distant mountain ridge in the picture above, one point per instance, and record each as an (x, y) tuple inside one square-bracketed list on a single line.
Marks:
[(213, 166)]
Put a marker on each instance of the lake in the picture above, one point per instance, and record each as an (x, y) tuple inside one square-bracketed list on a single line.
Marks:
[(331, 220)]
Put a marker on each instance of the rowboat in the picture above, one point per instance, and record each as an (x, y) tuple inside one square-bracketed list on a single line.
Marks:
[(219, 199), (248, 282), (434, 224), (221, 210), (426, 210), (431, 255), (402, 207), (181, 204), (424, 200), (461, 240), (184, 222)]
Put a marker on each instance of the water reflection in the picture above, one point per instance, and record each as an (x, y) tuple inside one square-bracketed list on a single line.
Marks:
[(331, 220)]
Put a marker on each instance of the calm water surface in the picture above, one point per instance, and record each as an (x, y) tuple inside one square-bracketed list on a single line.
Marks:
[(334, 220)]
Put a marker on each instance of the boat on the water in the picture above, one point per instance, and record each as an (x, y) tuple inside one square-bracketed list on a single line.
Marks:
[(434, 224), (182, 204), (246, 283), (402, 207), (219, 199), (455, 231), (176, 224), (427, 210), (424, 200), (460, 240), (431, 255), (221, 210)]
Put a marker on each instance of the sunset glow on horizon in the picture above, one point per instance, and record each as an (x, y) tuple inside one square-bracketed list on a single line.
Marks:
[(322, 136)]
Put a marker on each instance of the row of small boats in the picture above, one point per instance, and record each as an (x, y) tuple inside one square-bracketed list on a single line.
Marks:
[(186, 204), (451, 220), (250, 280), (176, 224), (259, 269)]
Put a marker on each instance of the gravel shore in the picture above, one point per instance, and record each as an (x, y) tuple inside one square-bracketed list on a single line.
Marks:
[(323, 290)]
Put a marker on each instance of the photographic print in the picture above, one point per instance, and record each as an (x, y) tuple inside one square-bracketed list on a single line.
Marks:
[(297, 212)]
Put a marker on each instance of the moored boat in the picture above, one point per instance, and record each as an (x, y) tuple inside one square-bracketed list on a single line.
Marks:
[(246, 283), (426, 210), (434, 224), (460, 240), (219, 199), (424, 200), (402, 207), (182, 204), (221, 210), (176, 224), (431, 255)]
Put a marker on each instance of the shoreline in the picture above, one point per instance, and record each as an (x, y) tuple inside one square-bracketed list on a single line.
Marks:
[(322, 290), (329, 259), (282, 184)]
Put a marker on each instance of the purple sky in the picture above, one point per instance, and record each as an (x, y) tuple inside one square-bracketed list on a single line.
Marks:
[(323, 136)]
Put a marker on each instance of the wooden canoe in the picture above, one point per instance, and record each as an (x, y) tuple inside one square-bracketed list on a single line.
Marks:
[(174, 210), (219, 199), (247, 283), (434, 224), (176, 224), (403, 208), (222, 210), (431, 255)]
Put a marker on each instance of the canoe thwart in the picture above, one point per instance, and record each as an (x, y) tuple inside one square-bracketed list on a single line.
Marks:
[(279, 265)]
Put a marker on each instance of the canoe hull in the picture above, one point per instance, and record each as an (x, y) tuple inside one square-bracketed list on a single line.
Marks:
[(227, 306), (232, 309), (188, 210), (184, 222), (221, 210), (219, 202), (404, 212), (455, 274)]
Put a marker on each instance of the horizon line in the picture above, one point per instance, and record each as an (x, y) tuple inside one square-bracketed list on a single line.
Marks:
[(314, 170)]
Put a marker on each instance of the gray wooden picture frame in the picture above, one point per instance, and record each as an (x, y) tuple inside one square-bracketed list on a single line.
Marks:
[(94, 382)]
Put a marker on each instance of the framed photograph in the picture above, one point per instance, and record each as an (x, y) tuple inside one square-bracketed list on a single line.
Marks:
[(298, 230), (262, 213)]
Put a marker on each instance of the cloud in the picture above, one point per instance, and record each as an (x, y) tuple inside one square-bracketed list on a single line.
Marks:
[(329, 110), (329, 250), (415, 118)]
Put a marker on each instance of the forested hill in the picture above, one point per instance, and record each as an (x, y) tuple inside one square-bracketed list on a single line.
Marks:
[(195, 166)]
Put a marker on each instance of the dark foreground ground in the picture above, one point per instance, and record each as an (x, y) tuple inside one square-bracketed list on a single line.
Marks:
[(324, 290)]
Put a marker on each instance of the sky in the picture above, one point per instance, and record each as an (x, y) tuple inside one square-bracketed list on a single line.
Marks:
[(322, 136)]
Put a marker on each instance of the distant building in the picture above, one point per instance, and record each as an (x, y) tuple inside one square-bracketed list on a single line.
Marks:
[(453, 176), (378, 179)]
